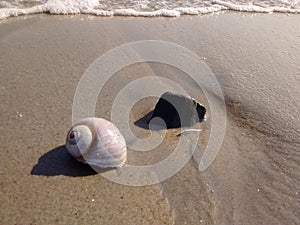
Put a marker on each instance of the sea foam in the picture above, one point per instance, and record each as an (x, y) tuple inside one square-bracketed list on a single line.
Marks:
[(144, 8)]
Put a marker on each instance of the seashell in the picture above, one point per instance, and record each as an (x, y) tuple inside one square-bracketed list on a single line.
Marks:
[(98, 142)]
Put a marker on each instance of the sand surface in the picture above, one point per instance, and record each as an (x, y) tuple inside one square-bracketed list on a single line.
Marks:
[(255, 177)]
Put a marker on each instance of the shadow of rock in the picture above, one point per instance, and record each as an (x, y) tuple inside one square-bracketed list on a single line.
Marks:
[(59, 162), (143, 122)]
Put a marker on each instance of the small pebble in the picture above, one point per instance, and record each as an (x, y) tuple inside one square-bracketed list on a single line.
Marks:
[(93, 200), (258, 190), (19, 115)]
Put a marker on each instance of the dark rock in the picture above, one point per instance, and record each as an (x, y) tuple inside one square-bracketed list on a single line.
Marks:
[(178, 111)]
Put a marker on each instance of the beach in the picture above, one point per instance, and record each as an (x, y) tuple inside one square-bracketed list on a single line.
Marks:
[(255, 176)]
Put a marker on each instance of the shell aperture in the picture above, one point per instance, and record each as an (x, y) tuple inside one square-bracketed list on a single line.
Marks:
[(97, 142)]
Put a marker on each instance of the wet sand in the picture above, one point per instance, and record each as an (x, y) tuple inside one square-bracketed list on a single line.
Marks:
[(255, 177)]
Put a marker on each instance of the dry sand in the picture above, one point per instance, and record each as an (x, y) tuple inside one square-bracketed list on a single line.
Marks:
[(255, 177)]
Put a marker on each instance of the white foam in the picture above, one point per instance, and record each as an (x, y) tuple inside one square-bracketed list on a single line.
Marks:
[(256, 8), (145, 8), (70, 6), (132, 12), (199, 11)]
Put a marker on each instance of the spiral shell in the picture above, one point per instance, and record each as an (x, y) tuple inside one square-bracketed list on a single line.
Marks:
[(97, 142)]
